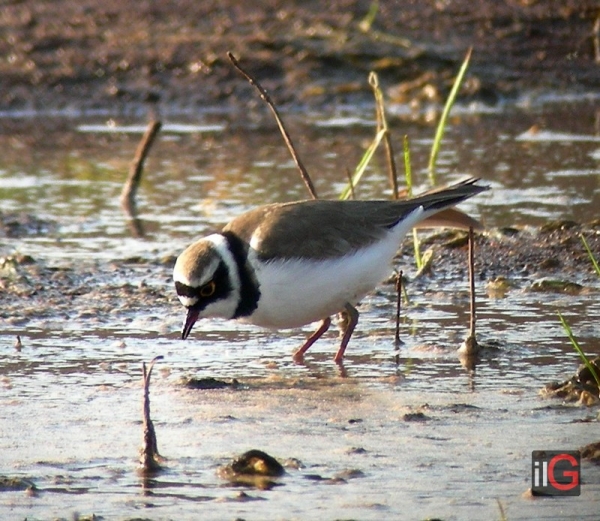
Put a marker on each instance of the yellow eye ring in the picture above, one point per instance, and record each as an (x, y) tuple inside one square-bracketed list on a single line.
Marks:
[(208, 289)]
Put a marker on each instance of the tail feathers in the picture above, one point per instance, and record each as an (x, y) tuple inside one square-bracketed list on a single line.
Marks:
[(436, 204)]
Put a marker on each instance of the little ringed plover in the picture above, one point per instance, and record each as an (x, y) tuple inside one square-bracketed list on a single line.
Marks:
[(289, 264)]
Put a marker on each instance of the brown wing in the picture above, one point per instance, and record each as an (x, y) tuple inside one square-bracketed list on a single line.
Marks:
[(323, 229), (318, 229)]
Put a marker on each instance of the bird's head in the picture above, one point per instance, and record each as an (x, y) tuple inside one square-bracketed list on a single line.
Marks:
[(206, 281)]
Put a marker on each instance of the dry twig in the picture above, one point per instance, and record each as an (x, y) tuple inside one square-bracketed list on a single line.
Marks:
[(149, 456), (470, 347), (397, 340), (137, 166), (288, 141), (382, 124), (472, 281)]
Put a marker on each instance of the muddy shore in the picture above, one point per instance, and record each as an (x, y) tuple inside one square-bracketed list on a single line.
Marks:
[(85, 296), (548, 261), (90, 55)]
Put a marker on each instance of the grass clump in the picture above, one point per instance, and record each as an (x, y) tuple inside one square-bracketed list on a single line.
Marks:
[(580, 352)]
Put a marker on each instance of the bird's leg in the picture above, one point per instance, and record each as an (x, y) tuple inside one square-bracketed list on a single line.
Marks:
[(324, 326), (352, 319)]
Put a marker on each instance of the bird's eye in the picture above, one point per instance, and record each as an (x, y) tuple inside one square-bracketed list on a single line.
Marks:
[(208, 289)]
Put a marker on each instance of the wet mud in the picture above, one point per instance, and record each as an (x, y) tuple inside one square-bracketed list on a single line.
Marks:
[(549, 259), (581, 388)]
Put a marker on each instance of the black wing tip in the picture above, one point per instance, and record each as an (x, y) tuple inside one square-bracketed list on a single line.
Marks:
[(450, 195), (469, 181)]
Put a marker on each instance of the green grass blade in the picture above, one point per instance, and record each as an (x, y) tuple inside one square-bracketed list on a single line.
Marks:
[(575, 344), (408, 176), (362, 165), (439, 134), (417, 246), (591, 255)]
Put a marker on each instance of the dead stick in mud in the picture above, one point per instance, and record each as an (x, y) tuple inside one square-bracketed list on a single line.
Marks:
[(470, 347), (397, 340), (472, 281), (149, 456), (382, 124), (137, 166), (286, 137)]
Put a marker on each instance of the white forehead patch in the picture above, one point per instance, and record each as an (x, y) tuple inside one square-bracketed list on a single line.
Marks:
[(185, 270), (193, 270), (195, 282), (187, 301), (197, 266)]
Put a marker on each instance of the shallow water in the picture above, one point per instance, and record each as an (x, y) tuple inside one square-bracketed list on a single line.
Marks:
[(71, 398)]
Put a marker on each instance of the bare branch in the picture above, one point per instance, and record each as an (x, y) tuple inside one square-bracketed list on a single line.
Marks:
[(137, 166), (382, 124), (397, 340), (288, 141), (149, 456), (472, 281)]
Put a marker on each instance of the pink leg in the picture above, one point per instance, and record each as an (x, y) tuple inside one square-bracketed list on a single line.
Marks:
[(352, 321), (324, 326)]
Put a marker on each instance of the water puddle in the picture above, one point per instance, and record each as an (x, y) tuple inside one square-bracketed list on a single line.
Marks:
[(405, 434)]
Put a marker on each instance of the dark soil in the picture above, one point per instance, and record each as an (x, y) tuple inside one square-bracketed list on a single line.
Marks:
[(87, 54), (554, 251)]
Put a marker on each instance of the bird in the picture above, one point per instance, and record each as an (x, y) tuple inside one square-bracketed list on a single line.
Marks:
[(286, 265)]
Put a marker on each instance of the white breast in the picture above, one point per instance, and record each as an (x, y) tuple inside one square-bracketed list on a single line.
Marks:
[(296, 292)]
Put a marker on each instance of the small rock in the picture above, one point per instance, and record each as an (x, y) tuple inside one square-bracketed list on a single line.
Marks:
[(498, 287), (208, 383), (553, 226), (591, 452), (584, 375), (349, 474), (355, 450), (293, 463), (255, 468), (556, 286), (257, 463), (7, 484), (415, 417), (549, 264)]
